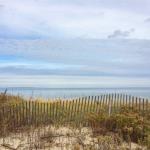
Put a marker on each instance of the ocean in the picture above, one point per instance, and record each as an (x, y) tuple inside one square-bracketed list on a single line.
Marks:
[(66, 93)]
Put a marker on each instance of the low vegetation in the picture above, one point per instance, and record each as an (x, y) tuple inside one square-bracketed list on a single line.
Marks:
[(113, 122), (132, 126)]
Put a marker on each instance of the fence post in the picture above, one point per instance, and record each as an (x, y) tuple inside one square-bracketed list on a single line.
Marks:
[(88, 104), (112, 102), (81, 111), (91, 103), (139, 104), (136, 102), (106, 99), (69, 109), (146, 105), (121, 100), (115, 102), (38, 113), (72, 113), (94, 104), (129, 102), (109, 105), (126, 101), (143, 104), (118, 101)]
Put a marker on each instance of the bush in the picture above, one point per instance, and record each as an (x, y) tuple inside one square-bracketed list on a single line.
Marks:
[(130, 125)]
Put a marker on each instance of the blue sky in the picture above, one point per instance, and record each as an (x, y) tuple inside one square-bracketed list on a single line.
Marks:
[(66, 43)]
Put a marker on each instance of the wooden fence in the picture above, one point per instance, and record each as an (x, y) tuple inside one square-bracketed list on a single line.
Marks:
[(76, 110)]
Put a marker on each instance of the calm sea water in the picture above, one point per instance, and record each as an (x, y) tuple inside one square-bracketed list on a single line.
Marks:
[(75, 92)]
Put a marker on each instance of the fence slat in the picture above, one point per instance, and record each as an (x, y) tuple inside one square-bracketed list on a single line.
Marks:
[(75, 110)]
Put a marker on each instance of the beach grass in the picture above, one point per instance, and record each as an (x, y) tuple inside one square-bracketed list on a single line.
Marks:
[(129, 118)]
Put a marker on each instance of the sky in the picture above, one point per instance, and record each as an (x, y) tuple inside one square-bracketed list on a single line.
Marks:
[(74, 43)]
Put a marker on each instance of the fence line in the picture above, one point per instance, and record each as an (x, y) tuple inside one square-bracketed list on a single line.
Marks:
[(75, 110)]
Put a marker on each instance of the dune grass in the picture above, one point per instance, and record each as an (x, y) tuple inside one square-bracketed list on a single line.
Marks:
[(128, 118)]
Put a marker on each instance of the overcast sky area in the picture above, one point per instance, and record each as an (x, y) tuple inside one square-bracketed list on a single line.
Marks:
[(74, 43)]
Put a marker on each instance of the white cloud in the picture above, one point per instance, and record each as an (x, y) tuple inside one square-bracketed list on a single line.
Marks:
[(114, 57), (73, 30), (90, 19), (71, 81)]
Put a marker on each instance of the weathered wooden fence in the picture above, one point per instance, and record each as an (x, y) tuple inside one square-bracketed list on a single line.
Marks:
[(67, 111)]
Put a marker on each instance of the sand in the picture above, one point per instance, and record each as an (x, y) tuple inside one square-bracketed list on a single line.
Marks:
[(61, 138)]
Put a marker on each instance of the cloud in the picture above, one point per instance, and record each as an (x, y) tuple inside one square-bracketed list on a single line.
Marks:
[(72, 81), (81, 71), (147, 20), (111, 57), (109, 62), (69, 19), (74, 37), (1, 8), (121, 34)]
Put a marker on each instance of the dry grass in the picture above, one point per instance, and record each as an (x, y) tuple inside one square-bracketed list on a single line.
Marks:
[(129, 121), (64, 137)]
